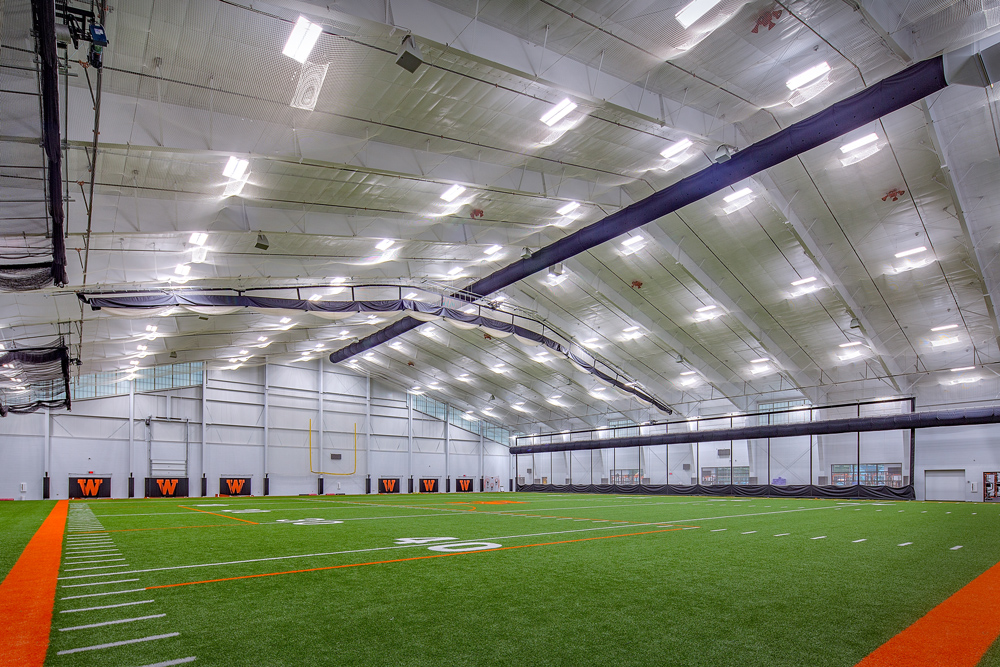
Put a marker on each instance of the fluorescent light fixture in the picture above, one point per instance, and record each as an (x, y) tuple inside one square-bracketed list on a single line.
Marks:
[(630, 329), (945, 327), (804, 281), (454, 272), (963, 368), (688, 373), (693, 11), (851, 344), (568, 208), (384, 244), (151, 327), (629, 242), (759, 368), (370, 355), (261, 338), (911, 251), (558, 112), (199, 255), (739, 194), (676, 147), (182, 269), (338, 281), (198, 238), (285, 320), (858, 143), (242, 352), (705, 308), (410, 296), (316, 297), (235, 168), (811, 74), (554, 279), (762, 360), (302, 40), (140, 347), (492, 250), (941, 342), (429, 333), (451, 193), (850, 354)]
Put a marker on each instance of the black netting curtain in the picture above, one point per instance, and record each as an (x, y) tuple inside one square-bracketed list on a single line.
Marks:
[(33, 378)]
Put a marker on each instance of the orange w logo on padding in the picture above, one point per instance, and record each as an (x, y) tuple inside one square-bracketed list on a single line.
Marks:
[(167, 486), (428, 485), (464, 484), (390, 484), (89, 487), (235, 485)]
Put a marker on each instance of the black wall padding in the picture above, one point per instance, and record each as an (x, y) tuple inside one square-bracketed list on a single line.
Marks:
[(895, 92), (964, 417), (752, 490), (44, 17)]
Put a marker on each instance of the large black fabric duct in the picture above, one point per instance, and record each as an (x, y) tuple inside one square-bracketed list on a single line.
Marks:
[(966, 417), (895, 92)]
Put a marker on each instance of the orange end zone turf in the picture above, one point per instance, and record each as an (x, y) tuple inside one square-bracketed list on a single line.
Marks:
[(28, 593), (956, 633)]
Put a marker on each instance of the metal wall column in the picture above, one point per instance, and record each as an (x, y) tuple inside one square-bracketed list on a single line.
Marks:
[(204, 419), (409, 436), (267, 433), (319, 428)]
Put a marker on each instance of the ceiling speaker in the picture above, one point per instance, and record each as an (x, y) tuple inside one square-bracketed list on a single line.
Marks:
[(310, 83), (409, 56)]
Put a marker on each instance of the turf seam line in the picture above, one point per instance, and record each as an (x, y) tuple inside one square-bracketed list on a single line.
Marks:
[(224, 516), (116, 622), (121, 643)]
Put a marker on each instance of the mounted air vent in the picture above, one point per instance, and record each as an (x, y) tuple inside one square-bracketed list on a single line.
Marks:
[(686, 466), (723, 453), (310, 83), (335, 457)]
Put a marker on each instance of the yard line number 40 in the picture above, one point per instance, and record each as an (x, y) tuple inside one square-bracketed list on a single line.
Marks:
[(454, 547)]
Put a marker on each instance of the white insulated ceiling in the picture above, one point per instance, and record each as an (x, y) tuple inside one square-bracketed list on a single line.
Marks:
[(189, 83)]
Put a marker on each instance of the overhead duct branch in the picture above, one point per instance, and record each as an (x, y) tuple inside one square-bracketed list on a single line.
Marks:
[(895, 92), (934, 419)]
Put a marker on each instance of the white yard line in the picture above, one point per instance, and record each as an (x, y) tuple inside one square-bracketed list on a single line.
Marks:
[(121, 620), (94, 595), (99, 583), (96, 567), (956, 548), (121, 643), (104, 560), (821, 537), (904, 544), (171, 663), (863, 539), (782, 534), (107, 606)]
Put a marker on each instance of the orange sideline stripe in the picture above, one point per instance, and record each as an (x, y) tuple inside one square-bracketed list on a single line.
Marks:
[(28, 593), (224, 516), (403, 560), (956, 633)]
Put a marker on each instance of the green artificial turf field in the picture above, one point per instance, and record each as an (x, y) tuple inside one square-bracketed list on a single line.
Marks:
[(558, 580), (18, 522)]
